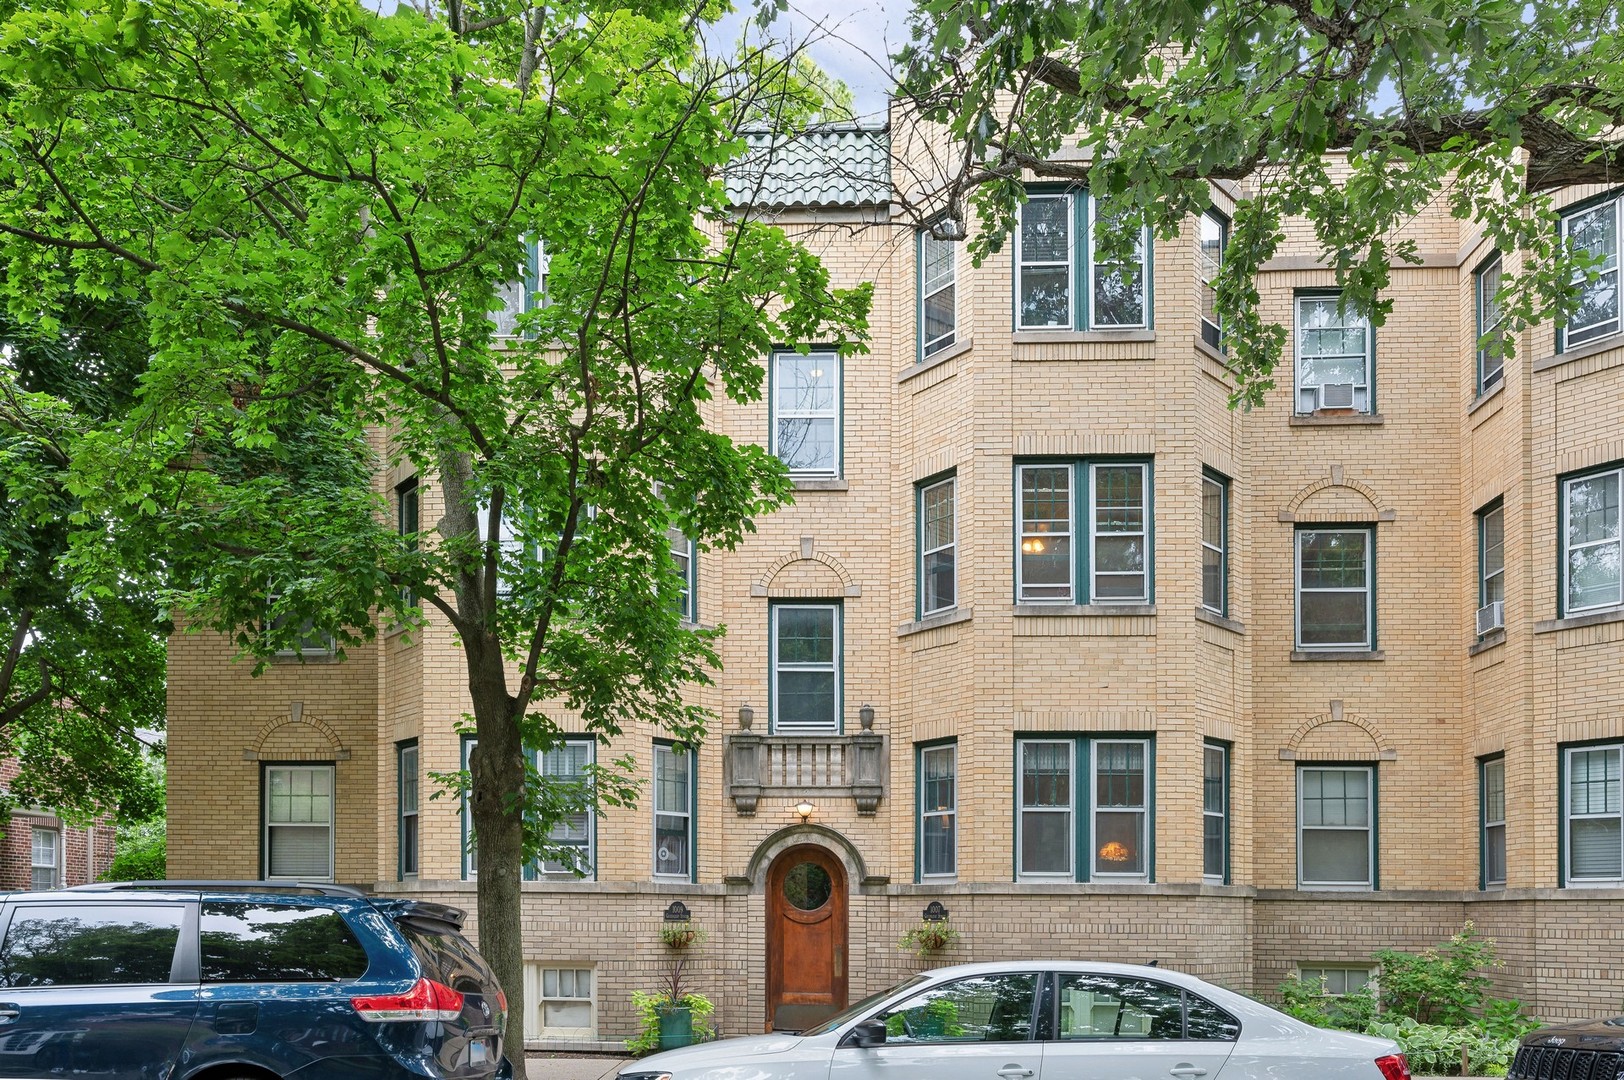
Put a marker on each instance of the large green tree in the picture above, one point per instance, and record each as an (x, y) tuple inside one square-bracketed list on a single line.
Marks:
[(1485, 105), (315, 209), (81, 670)]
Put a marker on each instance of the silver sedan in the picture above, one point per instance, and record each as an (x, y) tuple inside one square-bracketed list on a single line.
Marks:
[(1042, 1020)]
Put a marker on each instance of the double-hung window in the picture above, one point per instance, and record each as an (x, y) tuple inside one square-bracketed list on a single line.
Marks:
[(44, 858), (559, 1002), (1112, 562), (470, 850), (1088, 795), (1215, 813), (1594, 230), (1592, 815), (938, 768), (1491, 567), (806, 663), (406, 521), (1491, 333), (682, 557), (524, 292), (938, 546), (1492, 799), (298, 814), (673, 812), (1050, 263), (1214, 239), (406, 756), (1335, 589), (938, 294), (1592, 543), (1334, 352), (1336, 827), (1215, 543), (806, 403), (566, 767)]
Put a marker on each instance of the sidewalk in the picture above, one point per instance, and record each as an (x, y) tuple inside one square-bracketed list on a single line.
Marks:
[(604, 1067), (544, 1066)]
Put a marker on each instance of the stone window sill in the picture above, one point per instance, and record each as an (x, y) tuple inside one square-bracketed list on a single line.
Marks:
[(1212, 618), (1578, 352), (837, 483), (1039, 611), (952, 352), (1487, 642), (936, 622), (1082, 337), (1324, 656), (1487, 396), (1573, 622), (1339, 420)]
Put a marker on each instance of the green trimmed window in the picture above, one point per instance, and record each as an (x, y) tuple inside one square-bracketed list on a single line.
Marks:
[(806, 663), (1215, 543), (938, 294), (1592, 542), (1083, 809), (806, 402), (1214, 238), (407, 796), (673, 813), (1492, 785), (1336, 827), (938, 546), (1491, 567), (1594, 229), (1066, 282), (1334, 354), (1107, 560), (1592, 815), (1215, 813), (1335, 589), (525, 292), (938, 768), (1491, 330)]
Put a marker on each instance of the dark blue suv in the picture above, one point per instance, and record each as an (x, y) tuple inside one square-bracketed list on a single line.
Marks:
[(200, 980)]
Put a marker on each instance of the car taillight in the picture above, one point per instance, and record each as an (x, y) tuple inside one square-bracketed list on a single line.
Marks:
[(501, 1001), (426, 1000), (1393, 1067)]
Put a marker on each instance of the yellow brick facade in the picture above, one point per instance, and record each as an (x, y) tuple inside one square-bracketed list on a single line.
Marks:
[(1420, 709)]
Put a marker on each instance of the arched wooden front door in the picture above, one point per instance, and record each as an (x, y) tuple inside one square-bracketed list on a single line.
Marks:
[(806, 938)]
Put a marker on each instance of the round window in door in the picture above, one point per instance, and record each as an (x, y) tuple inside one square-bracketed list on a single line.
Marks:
[(807, 886)]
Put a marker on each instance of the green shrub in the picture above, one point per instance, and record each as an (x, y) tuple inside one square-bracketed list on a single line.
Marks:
[(1443, 985), (1306, 1000), (140, 853), (1436, 1050)]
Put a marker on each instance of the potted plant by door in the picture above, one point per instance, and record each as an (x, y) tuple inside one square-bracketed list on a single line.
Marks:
[(672, 1016)]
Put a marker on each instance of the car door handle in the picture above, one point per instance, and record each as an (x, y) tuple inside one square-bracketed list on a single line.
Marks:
[(8, 1013), (1187, 1070), (1012, 1071)]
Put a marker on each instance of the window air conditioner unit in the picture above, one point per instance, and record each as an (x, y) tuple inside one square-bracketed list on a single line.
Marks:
[(1491, 617), (1337, 395)]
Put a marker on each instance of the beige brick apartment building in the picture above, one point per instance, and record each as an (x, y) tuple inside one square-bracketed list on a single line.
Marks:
[(1054, 637)]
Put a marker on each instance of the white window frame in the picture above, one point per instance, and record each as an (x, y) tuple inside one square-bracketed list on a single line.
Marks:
[(1021, 263), (529, 289), (269, 824), (1212, 481), (836, 665), (1221, 814), (1493, 820), (684, 555), (1565, 591), (833, 413), (1369, 591), (1490, 580), (470, 853), (1146, 503), (951, 546), (1369, 828), (1143, 809), (1322, 973), (1208, 268), (1362, 396), (1068, 811), (536, 998), (402, 789), (36, 849), (1023, 537), (1486, 305), (932, 287), (684, 761), (1607, 327), (1613, 779), (951, 750), (1094, 266), (556, 871)]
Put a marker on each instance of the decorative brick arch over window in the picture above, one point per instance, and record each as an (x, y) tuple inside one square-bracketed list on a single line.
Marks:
[(1338, 735), (1334, 499), (805, 573), (332, 750)]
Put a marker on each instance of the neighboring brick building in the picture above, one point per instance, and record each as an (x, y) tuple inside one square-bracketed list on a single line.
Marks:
[(40, 851), (1149, 678)]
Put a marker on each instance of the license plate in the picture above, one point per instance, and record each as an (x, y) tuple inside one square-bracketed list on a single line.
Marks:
[(479, 1051)]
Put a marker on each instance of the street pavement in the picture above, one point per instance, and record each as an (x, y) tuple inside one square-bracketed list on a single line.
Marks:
[(604, 1067)]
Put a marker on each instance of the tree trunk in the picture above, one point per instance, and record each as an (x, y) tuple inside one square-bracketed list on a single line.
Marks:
[(497, 765)]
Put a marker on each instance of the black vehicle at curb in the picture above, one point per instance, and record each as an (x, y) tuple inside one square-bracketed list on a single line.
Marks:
[(243, 980), (1588, 1050)]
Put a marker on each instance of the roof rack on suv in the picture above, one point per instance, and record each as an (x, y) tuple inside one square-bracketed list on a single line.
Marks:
[(322, 888)]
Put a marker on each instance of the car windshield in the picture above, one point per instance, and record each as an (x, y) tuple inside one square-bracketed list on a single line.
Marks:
[(851, 1012)]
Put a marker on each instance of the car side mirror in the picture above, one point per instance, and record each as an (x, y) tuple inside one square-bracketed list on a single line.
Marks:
[(868, 1033)]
